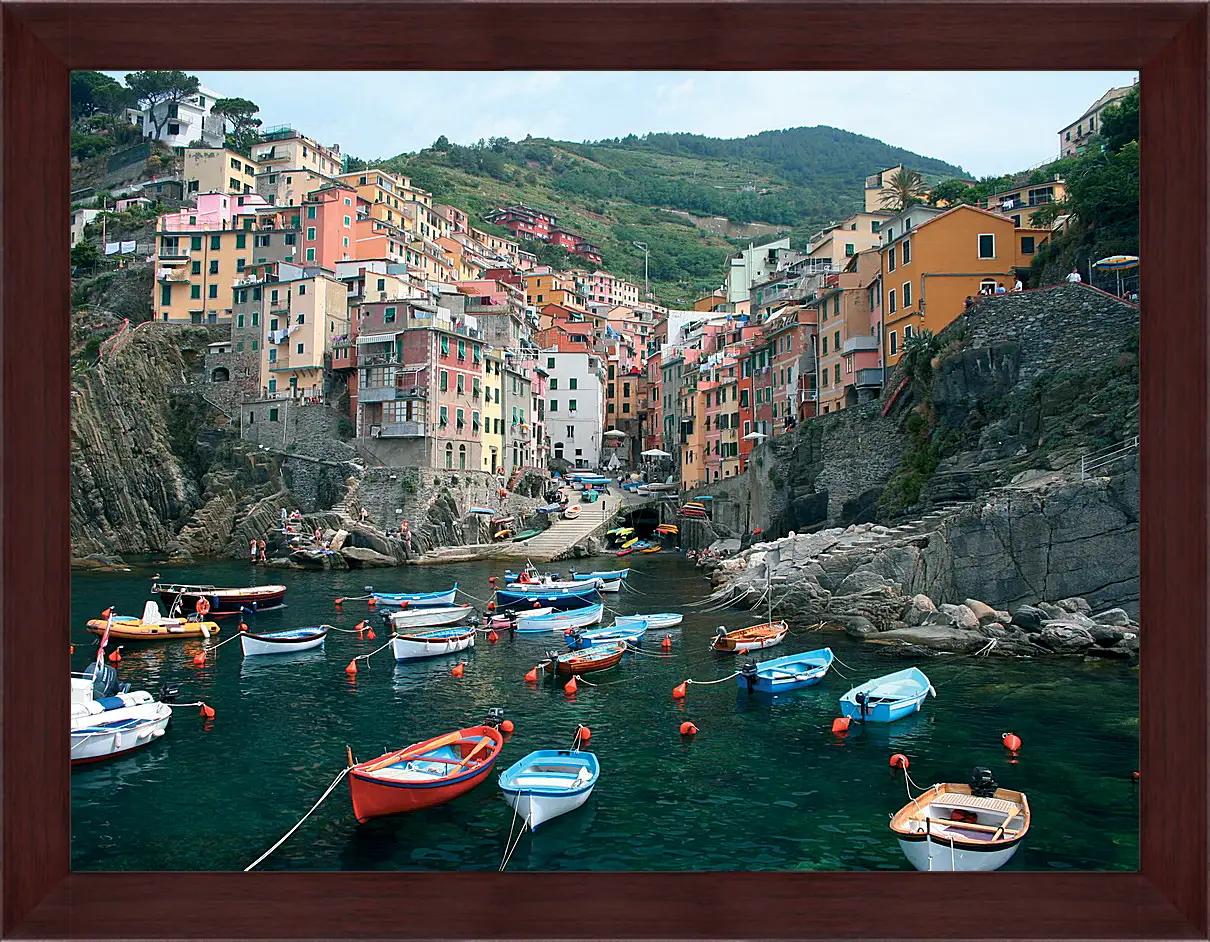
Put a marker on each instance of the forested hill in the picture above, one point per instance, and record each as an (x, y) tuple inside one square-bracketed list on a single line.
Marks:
[(665, 189)]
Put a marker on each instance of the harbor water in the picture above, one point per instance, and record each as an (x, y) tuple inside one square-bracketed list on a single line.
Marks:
[(765, 785)]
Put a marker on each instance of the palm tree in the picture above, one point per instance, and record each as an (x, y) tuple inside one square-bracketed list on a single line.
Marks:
[(905, 188), (918, 353)]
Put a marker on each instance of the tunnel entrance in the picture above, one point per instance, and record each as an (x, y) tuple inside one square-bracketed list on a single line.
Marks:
[(644, 520)]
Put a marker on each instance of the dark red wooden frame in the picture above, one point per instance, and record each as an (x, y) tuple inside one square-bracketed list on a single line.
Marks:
[(41, 898)]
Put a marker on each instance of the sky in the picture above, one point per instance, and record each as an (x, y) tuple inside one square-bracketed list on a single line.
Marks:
[(989, 123)]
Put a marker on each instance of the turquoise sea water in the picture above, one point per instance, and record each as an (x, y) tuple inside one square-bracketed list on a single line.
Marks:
[(765, 785)]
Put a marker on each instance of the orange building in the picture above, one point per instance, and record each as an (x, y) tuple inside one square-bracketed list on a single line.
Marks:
[(933, 260)]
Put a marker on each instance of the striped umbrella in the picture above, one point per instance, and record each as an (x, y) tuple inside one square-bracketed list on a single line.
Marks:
[(1117, 262)]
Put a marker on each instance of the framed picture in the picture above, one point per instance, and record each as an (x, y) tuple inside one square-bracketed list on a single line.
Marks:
[(54, 890)]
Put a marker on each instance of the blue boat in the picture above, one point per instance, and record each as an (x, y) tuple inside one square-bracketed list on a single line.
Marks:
[(562, 599), (548, 783), (608, 574), (657, 620), (785, 673), (887, 698), (414, 599), (562, 620), (587, 637)]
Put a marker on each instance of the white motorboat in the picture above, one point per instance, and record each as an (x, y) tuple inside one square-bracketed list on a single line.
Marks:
[(431, 642), (428, 617), (107, 719)]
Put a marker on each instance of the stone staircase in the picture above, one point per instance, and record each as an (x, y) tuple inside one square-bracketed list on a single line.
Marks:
[(563, 534), (917, 527)]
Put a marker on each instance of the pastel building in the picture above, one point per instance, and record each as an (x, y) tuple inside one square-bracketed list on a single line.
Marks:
[(575, 406), (283, 148), (186, 121), (217, 170)]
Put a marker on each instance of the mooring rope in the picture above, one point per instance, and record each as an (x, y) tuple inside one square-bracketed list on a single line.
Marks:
[(285, 837), (632, 648), (707, 683), (520, 834)]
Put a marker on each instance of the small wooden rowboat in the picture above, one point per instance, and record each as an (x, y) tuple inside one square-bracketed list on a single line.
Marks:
[(888, 698), (425, 774), (749, 639), (976, 827), (283, 642), (599, 657), (548, 783), (223, 602), (431, 642), (551, 620), (153, 626), (414, 599), (572, 512), (785, 673)]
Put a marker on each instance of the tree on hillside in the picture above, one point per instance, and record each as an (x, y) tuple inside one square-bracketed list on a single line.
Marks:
[(244, 124), (96, 92), (153, 88), (1120, 122), (952, 192), (442, 143), (353, 164), (85, 254), (906, 189)]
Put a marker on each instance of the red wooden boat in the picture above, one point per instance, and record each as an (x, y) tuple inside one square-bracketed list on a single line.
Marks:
[(599, 657), (424, 774), (223, 602), (750, 639)]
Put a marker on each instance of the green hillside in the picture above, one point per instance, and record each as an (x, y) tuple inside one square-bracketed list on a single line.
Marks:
[(645, 188)]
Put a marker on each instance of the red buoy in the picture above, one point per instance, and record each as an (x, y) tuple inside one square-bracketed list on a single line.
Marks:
[(1134, 776), (370, 634), (352, 668), (360, 626), (679, 691), (338, 602), (532, 676), (492, 637), (457, 670), (571, 686), (537, 604), (899, 761), (1012, 742), (584, 733), (666, 644), (199, 660), (491, 606), (840, 724), (116, 657), (491, 579), (688, 729), (207, 711), (507, 726), (373, 602)]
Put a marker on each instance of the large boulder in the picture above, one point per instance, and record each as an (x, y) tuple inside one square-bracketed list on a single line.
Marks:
[(918, 609), (1029, 617), (1075, 605), (961, 615), (1115, 616), (1106, 636), (1064, 637), (855, 626), (359, 557), (936, 637), (860, 581), (984, 612)]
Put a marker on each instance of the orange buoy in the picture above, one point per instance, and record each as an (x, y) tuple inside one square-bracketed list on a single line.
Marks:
[(338, 602), (199, 660), (532, 676), (492, 637), (116, 657), (840, 724), (537, 604), (567, 631), (688, 729), (457, 670), (207, 711), (507, 726), (679, 691), (370, 634), (899, 761), (243, 627), (666, 644), (491, 579), (1012, 742), (73, 649), (491, 606), (584, 733), (373, 602), (571, 686), (360, 625), (1134, 776), (352, 668)]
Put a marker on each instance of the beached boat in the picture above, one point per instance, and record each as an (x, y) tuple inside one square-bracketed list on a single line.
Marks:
[(525, 535), (548, 783), (425, 774), (586, 638), (589, 497), (572, 512), (414, 599), (553, 598), (501, 534), (429, 617), (625, 552), (887, 698), (785, 673), (108, 719), (651, 549), (599, 657), (183, 597), (749, 639), (431, 642), (283, 642), (951, 827), (152, 626), (561, 620), (657, 620)]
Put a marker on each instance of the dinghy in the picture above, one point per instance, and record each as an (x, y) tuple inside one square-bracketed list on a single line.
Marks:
[(561, 621), (413, 599), (153, 626), (181, 597), (525, 535), (547, 584), (785, 673), (975, 827), (572, 512), (425, 774), (887, 698), (603, 574), (749, 639), (431, 642), (651, 549), (599, 657), (548, 783), (108, 719), (505, 621), (658, 620), (429, 617), (283, 642), (554, 598), (631, 634)]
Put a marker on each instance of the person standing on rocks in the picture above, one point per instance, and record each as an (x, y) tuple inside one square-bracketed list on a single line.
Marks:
[(252, 548), (261, 546)]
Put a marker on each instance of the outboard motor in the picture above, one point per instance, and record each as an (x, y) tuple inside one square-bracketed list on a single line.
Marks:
[(862, 705), (169, 693), (495, 716), (104, 680), (575, 639), (719, 631), (387, 626), (983, 783), (748, 672)]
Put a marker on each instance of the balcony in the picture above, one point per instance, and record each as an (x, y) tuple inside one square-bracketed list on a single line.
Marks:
[(399, 430), (411, 392), (171, 274), (868, 378), (376, 394), (860, 344)]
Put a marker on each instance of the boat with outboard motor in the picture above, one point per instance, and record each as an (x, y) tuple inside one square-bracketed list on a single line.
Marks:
[(887, 698), (781, 674), (223, 603), (414, 599), (599, 657), (546, 597), (586, 638), (108, 719), (152, 625)]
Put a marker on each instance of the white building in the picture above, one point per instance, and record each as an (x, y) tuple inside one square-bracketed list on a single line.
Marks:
[(79, 219), (575, 406), (1074, 137), (755, 264), (188, 121)]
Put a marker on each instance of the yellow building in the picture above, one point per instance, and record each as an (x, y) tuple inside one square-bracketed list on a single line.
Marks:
[(300, 318), (1020, 203), (839, 243), (493, 411), (692, 408), (284, 148), (218, 170), (547, 287), (382, 191), (933, 260), (289, 186), (877, 187)]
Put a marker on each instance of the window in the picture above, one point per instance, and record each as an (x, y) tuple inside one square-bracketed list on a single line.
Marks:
[(475, 387), (907, 332), (214, 266), (907, 252), (449, 448), (255, 344), (907, 294), (571, 383), (272, 354), (255, 319), (875, 225), (310, 233), (625, 406), (891, 305), (444, 417), (987, 286), (273, 324), (890, 259), (825, 344), (461, 349), (445, 380), (174, 110), (241, 240), (239, 320), (195, 268), (894, 337), (1027, 245), (310, 212), (743, 401), (273, 414), (216, 243), (195, 291), (166, 294), (388, 315), (310, 255), (571, 405), (987, 245), (302, 289), (348, 222), (195, 243), (890, 234), (609, 408), (554, 406), (554, 382), (571, 431), (174, 128), (299, 348), (461, 417), (239, 347), (461, 384), (445, 346), (213, 291)]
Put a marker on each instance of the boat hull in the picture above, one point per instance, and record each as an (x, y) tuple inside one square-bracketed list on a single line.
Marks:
[(226, 602), (428, 617), (935, 854), (567, 665), (414, 647), (564, 601), (659, 620), (560, 621), (259, 645), (117, 732), (130, 631), (884, 712), (539, 808), (415, 598)]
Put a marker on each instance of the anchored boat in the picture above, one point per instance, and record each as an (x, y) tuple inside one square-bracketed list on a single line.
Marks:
[(429, 617), (975, 827), (785, 673), (548, 783), (599, 657), (431, 642), (658, 620), (152, 626), (183, 597), (887, 698), (561, 621), (631, 634), (414, 599), (108, 719), (283, 642), (749, 639), (554, 598), (424, 774)]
